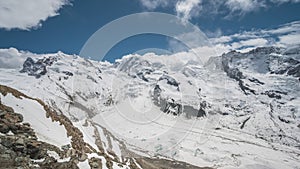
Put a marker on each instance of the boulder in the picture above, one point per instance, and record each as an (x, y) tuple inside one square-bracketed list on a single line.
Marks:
[(66, 147), (33, 149), (4, 128), (95, 163), (82, 157)]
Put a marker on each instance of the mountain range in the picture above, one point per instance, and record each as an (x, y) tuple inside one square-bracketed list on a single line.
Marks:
[(237, 110)]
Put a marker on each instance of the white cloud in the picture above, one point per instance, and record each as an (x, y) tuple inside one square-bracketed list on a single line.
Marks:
[(285, 1), (282, 36), (244, 6), (12, 58), (27, 14), (191, 39), (152, 4), (221, 39), (188, 9), (286, 28), (185, 9), (214, 34), (258, 42), (290, 39)]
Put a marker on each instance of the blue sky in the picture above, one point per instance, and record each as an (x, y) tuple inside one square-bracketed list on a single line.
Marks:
[(62, 25)]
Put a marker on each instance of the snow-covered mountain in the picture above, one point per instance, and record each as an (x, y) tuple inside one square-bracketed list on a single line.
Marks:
[(238, 110)]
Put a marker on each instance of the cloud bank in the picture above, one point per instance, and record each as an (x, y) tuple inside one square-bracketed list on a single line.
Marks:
[(282, 36), (12, 58), (28, 14), (187, 9)]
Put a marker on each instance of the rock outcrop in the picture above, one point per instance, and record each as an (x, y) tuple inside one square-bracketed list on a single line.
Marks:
[(19, 146), (37, 68)]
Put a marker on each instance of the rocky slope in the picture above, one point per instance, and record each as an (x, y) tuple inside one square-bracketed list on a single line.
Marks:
[(21, 147)]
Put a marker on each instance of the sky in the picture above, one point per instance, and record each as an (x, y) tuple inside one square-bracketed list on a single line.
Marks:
[(49, 26)]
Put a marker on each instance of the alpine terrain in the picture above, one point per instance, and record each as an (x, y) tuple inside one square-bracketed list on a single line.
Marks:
[(238, 110)]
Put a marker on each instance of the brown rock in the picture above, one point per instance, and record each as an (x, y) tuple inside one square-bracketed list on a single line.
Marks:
[(26, 125), (19, 145), (95, 163), (7, 141), (17, 118), (4, 128), (66, 147), (82, 157), (6, 160), (19, 141), (2, 113), (49, 160), (109, 164), (13, 128), (33, 149)]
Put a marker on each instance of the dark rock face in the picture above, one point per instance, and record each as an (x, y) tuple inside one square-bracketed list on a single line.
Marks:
[(142, 76), (167, 106), (91, 78), (274, 94), (67, 73), (291, 68), (283, 120), (245, 89), (170, 80), (236, 74), (136, 68), (266, 50), (37, 68), (156, 94), (294, 71), (244, 123), (170, 106), (261, 60), (192, 112), (142, 73), (256, 81)]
